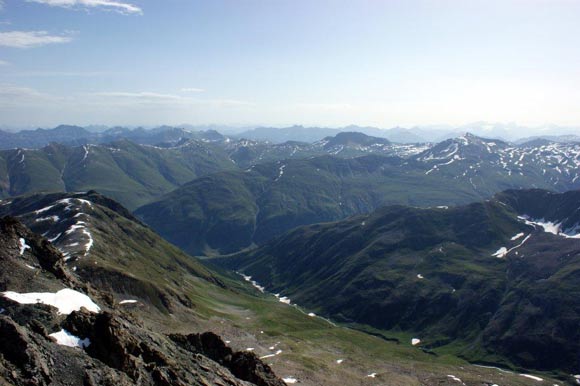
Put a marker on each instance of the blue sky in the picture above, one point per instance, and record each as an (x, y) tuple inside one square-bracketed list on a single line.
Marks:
[(280, 62)]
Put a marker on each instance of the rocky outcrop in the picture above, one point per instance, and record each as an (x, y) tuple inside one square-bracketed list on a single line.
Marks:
[(244, 365), (41, 251), (117, 348), (19, 350)]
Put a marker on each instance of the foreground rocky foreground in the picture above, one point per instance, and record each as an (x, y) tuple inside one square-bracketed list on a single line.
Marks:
[(78, 336)]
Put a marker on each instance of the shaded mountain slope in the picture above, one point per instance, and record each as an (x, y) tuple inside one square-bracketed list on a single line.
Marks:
[(477, 280), (258, 204), (271, 198)]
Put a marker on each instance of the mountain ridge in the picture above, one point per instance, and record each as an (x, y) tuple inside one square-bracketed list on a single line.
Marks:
[(270, 198)]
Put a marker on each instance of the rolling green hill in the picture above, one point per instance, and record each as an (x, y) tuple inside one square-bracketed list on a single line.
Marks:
[(256, 205), (132, 174)]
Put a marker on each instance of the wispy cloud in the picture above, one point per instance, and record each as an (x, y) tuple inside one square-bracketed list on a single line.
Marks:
[(3, 63), (11, 93), (192, 89), (21, 105), (29, 39), (111, 5), (70, 74), (139, 95), (146, 97), (1, 5)]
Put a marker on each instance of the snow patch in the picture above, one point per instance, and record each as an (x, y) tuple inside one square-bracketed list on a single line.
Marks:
[(415, 341), (253, 282), (129, 301), (501, 252), (284, 300), (280, 172), (82, 226), (66, 300), (290, 380), (552, 227), (55, 238), (86, 149), (456, 379), (272, 355), (23, 246), (517, 236), (65, 338), (532, 377), (49, 218)]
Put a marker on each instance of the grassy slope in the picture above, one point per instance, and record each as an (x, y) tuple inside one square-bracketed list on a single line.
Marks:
[(364, 271), (130, 173), (266, 202)]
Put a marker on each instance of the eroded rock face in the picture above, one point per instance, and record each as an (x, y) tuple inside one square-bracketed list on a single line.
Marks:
[(120, 351), (37, 251), (20, 350), (244, 365)]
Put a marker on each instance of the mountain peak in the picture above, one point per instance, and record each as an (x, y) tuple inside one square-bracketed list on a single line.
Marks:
[(353, 139)]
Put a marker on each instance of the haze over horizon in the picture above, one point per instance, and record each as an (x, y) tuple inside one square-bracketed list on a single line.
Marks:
[(279, 63)]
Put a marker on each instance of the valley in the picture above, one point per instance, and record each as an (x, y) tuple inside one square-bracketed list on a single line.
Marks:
[(370, 262), (170, 293)]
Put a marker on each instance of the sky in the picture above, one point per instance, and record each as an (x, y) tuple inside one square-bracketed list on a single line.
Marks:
[(383, 63)]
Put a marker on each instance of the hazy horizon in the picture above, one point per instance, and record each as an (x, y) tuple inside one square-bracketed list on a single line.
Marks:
[(507, 131), (279, 63)]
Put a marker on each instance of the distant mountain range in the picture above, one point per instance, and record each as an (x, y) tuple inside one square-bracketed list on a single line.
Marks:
[(551, 138), (313, 134), (268, 199), (75, 135), (170, 135), (135, 174)]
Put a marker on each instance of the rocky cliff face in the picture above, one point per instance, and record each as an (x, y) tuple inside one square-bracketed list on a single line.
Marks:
[(56, 330)]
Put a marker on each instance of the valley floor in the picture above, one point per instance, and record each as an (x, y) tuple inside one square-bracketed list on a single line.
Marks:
[(310, 350)]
